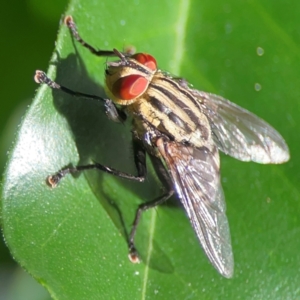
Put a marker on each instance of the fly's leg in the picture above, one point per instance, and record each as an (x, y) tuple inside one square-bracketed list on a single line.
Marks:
[(139, 159), (165, 179), (113, 113), (53, 180), (72, 26), (111, 110), (41, 77)]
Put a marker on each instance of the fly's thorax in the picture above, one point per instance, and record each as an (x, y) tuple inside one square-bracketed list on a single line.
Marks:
[(171, 109), (128, 79)]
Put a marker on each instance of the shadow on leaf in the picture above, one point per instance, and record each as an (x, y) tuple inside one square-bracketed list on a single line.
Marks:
[(99, 139)]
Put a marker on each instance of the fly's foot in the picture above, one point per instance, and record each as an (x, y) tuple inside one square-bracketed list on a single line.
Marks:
[(53, 180), (41, 77), (133, 255)]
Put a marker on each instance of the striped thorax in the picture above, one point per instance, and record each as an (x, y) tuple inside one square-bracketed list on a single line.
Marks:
[(156, 100)]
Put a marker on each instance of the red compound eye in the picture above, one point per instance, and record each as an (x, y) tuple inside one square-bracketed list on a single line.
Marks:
[(129, 87), (146, 60)]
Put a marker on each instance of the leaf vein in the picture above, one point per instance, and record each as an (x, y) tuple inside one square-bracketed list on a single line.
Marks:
[(180, 29)]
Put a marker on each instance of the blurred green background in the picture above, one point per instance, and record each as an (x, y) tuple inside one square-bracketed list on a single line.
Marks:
[(28, 31)]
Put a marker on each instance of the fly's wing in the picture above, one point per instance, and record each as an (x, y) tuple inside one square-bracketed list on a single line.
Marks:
[(241, 134), (195, 173)]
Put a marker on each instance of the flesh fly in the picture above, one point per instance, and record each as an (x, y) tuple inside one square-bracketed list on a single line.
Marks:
[(182, 130)]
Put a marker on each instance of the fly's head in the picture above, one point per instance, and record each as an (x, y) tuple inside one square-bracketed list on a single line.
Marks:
[(128, 78)]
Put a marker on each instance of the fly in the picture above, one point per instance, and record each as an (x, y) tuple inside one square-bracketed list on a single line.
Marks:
[(182, 131)]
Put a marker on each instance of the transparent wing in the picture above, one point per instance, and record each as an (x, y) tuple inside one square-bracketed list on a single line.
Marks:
[(241, 134), (195, 173)]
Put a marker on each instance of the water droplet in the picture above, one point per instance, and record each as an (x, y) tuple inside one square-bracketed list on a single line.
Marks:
[(130, 49), (260, 51), (228, 28), (257, 87), (122, 22)]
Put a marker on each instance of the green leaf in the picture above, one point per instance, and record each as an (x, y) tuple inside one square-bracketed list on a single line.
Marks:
[(72, 239)]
